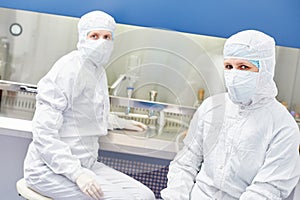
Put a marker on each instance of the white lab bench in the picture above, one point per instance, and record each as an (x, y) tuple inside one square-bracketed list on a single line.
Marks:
[(15, 136)]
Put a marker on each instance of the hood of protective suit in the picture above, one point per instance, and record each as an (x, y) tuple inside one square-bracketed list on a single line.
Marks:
[(253, 45), (97, 51)]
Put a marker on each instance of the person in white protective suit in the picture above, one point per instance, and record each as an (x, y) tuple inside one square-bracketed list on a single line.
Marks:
[(72, 108), (242, 144)]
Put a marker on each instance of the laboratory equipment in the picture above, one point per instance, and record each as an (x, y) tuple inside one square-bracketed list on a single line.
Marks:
[(133, 73), (115, 86), (200, 97), (152, 95), (4, 48)]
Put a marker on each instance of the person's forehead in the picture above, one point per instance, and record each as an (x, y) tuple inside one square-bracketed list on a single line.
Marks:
[(236, 60), (100, 32)]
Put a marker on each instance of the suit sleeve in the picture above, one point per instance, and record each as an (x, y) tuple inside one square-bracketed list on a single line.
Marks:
[(281, 170), (47, 120), (186, 165)]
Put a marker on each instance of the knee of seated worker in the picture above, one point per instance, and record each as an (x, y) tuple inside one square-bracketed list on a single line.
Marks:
[(147, 194)]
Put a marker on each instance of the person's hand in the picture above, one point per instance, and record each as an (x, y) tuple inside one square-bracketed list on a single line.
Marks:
[(134, 125), (88, 185)]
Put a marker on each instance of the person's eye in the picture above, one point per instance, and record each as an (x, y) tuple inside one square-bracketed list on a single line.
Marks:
[(107, 37), (244, 67), (95, 36), (228, 67)]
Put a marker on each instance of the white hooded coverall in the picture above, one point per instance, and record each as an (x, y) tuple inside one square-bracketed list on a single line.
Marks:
[(72, 108), (235, 151)]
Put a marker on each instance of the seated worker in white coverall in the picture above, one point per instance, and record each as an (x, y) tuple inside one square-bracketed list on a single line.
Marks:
[(72, 108), (242, 144)]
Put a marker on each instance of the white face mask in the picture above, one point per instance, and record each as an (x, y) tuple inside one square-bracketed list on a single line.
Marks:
[(241, 85), (97, 51)]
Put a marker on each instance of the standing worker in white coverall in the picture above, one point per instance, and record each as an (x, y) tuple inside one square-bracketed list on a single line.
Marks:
[(72, 108), (242, 144)]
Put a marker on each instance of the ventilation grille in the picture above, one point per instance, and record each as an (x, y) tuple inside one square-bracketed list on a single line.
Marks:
[(173, 121), (17, 104)]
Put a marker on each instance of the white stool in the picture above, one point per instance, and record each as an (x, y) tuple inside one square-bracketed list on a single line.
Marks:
[(28, 193)]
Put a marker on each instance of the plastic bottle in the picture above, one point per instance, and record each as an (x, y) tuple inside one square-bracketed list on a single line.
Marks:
[(200, 99)]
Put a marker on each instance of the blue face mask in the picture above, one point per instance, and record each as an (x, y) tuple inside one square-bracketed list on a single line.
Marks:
[(241, 85)]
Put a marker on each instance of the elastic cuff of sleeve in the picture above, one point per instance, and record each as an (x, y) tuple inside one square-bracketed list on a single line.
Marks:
[(73, 177), (260, 190)]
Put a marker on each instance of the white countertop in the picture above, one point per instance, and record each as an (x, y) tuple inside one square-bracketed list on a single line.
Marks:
[(118, 141), (15, 127)]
